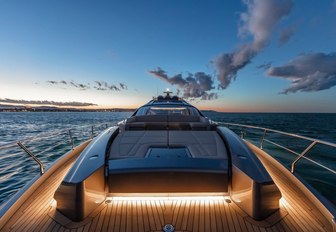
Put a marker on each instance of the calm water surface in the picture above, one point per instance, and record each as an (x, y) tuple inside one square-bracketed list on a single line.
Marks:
[(16, 168)]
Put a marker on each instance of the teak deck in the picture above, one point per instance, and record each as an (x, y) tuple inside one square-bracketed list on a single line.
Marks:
[(194, 214)]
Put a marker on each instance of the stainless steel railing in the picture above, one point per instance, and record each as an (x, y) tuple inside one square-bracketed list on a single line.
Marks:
[(265, 131), (33, 156), (265, 137), (41, 136)]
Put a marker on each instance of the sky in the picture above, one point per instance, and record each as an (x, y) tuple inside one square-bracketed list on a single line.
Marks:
[(230, 56)]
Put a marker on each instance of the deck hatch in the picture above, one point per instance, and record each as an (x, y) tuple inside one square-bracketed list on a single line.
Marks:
[(168, 152)]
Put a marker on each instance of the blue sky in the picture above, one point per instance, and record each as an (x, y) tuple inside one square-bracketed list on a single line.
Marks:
[(101, 44)]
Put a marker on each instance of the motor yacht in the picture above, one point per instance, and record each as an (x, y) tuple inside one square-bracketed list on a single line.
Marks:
[(169, 168)]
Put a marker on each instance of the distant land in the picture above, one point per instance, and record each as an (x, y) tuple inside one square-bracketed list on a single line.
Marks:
[(14, 105), (24, 108)]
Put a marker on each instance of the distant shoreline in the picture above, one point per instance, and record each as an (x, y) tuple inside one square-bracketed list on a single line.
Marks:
[(69, 110), (11, 108), (132, 110), (21, 108)]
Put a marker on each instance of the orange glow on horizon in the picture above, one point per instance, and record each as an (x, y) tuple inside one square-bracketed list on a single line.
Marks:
[(131, 102), (228, 109)]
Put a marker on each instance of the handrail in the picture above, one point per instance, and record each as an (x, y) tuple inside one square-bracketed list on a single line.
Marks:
[(44, 135), (281, 132), (313, 143), (33, 156), (31, 138), (71, 139), (302, 155)]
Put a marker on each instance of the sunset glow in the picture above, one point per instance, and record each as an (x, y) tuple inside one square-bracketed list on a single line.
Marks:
[(242, 56)]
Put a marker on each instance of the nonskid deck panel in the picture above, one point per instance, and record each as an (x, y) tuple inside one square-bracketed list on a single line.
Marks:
[(136, 144)]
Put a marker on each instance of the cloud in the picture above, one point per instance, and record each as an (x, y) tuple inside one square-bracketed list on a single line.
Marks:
[(52, 82), (123, 86), (104, 86), (69, 83), (209, 96), (78, 85), (13, 101), (82, 86), (264, 66), (114, 88), (256, 26), (287, 33), (308, 72), (98, 85), (74, 84), (196, 85), (258, 22)]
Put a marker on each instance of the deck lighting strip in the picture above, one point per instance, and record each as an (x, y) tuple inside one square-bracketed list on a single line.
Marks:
[(169, 198)]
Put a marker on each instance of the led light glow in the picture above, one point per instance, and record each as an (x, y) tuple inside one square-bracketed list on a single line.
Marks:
[(168, 198), (283, 202), (53, 203)]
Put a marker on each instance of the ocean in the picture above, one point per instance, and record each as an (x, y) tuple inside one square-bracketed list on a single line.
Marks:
[(46, 135)]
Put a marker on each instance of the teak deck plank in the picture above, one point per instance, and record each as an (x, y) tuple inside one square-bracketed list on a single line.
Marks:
[(118, 217), (190, 216), (218, 218), (101, 220), (202, 215), (132, 210), (107, 218), (184, 214), (140, 216), (196, 216), (160, 211), (145, 215), (123, 218), (186, 218)]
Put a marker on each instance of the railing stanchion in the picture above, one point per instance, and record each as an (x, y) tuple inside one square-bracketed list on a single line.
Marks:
[(71, 139), (262, 139), (33, 156), (302, 155), (19, 142), (299, 155), (242, 132)]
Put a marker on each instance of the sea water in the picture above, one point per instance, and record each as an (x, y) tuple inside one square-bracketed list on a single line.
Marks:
[(17, 168)]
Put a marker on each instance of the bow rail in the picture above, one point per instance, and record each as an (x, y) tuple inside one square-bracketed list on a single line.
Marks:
[(313, 143), (48, 135)]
